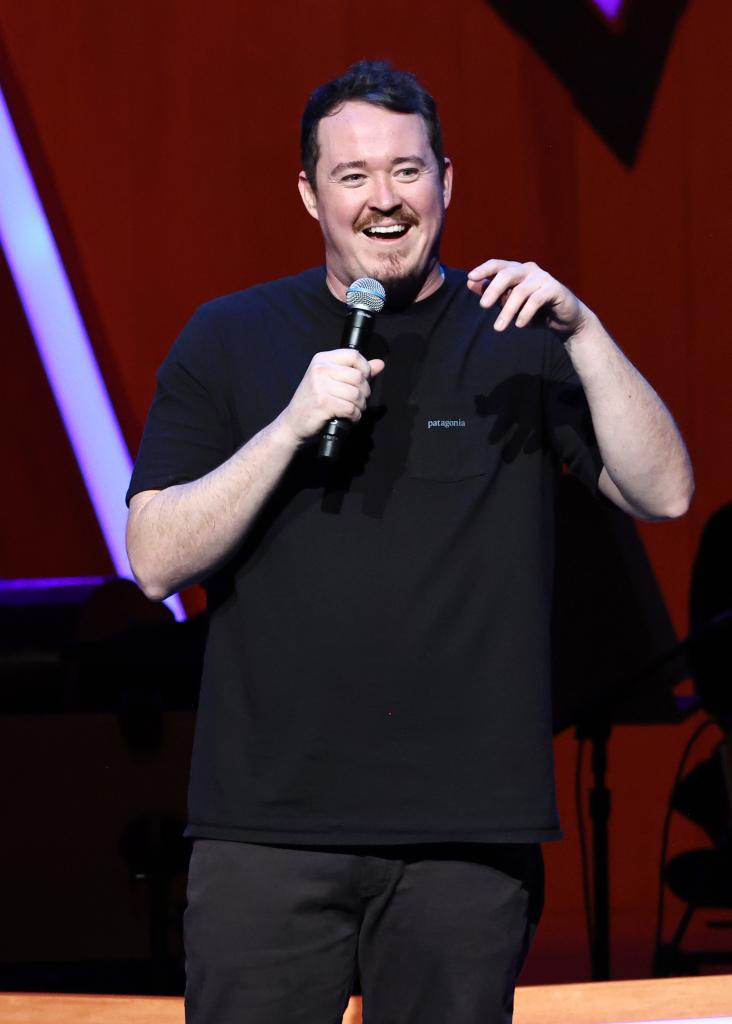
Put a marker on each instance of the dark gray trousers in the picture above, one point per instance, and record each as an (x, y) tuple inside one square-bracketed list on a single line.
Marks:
[(437, 934)]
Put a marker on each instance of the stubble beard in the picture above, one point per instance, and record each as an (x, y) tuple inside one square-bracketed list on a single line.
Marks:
[(403, 285), (400, 284)]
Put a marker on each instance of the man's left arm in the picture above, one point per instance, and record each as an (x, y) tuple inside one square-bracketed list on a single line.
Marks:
[(647, 471)]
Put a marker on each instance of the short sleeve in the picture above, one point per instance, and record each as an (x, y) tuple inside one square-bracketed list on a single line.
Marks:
[(188, 429), (567, 415)]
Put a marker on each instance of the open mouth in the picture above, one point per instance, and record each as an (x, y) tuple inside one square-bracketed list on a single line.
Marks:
[(387, 232)]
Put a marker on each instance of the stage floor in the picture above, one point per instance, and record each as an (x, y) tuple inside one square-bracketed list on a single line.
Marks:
[(616, 1002), (660, 1000)]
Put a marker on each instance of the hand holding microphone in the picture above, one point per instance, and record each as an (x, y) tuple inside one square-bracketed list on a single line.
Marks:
[(335, 388), (364, 298)]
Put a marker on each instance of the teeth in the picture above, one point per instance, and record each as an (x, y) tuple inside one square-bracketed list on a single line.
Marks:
[(392, 229)]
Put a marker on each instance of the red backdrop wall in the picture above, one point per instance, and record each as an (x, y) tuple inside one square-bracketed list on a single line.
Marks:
[(163, 136)]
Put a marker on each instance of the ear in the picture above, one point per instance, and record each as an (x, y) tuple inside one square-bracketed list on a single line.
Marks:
[(447, 182), (307, 194)]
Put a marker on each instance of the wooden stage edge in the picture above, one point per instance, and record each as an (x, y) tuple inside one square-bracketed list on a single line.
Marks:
[(603, 1002), (590, 1003)]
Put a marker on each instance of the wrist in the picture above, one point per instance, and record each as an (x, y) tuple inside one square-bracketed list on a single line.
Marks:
[(587, 330), (588, 335), (282, 434)]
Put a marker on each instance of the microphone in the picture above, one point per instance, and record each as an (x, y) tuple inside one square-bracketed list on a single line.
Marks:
[(365, 298)]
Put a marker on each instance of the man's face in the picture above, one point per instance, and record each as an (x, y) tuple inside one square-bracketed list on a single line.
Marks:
[(379, 198)]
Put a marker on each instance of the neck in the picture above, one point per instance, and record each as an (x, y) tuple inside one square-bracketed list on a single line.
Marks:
[(400, 292)]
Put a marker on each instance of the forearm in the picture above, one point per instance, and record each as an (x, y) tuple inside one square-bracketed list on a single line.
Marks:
[(645, 458), (179, 535)]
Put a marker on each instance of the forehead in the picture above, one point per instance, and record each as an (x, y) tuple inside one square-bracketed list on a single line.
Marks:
[(362, 131)]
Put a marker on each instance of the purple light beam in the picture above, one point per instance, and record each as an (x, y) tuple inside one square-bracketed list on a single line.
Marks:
[(610, 8), (64, 347)]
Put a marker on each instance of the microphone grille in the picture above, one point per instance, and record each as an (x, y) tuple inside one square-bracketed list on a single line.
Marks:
[(366, 293)]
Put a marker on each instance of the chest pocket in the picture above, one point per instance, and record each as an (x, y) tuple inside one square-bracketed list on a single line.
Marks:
[(476, 434), (463, 401), (451, 440)]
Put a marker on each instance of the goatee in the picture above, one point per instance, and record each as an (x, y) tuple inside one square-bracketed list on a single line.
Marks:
[(401, 289)]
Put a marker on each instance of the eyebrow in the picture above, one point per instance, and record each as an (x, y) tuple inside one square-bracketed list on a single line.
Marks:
[(360, 165)]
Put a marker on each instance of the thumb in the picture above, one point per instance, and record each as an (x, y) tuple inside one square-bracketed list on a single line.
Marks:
[(377, 365)]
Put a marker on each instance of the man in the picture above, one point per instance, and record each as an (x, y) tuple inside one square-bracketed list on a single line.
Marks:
[(372, 765)]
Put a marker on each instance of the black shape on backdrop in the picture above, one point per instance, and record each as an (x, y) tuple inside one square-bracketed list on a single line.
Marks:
[(611, 69), (710, 613)]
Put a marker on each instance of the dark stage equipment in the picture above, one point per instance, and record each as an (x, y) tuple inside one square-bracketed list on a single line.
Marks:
[(616, 661), (702, 878), (70, 646), (78, 647)]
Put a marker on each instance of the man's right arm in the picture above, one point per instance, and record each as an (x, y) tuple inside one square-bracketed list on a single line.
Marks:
[(179, 535)]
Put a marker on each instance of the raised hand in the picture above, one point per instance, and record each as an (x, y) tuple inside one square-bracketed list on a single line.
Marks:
[(526, 291)]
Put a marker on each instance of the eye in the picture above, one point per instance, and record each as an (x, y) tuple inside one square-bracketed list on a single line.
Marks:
[(408, 172), (352, 179)]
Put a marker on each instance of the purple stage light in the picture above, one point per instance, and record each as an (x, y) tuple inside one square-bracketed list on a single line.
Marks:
[(58, 590), (64, 347), (610, 8), (52, 583)]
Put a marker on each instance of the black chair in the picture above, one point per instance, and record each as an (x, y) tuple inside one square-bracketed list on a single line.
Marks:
[(701, 878)]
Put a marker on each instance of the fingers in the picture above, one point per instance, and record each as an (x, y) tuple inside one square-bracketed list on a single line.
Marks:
[(521, 288), (332, 396), (487, 269), (345, 374), (355, 395), (521, 276), (335, 386), (480, 277), (542, 296), (346, 366), (518, 299), (346, 357)]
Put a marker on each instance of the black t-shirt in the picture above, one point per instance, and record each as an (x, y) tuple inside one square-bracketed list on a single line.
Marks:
[(377, 668)]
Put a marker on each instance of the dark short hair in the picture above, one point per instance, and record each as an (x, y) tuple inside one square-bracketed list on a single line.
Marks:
[(370, 81)]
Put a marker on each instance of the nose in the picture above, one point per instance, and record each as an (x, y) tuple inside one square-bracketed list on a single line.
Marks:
[(384, 196)]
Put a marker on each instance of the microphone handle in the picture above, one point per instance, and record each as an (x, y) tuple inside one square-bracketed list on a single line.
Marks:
[(356, 332)]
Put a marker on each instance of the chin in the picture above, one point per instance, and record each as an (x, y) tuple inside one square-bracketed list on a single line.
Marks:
[(402, 289), (390, 270)]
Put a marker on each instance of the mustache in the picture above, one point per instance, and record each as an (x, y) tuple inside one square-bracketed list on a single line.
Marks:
[(371, 220)]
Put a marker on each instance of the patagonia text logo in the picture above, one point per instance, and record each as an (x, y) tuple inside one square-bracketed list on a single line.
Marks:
[(445, 424)]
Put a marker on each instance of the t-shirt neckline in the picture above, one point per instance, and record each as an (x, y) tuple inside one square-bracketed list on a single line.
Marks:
[(425, 306)]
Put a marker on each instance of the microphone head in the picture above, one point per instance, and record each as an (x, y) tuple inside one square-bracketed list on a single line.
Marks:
[(366, 293)]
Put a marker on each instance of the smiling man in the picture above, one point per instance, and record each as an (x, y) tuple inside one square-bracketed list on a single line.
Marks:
[(379, 192), (372, 768)]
